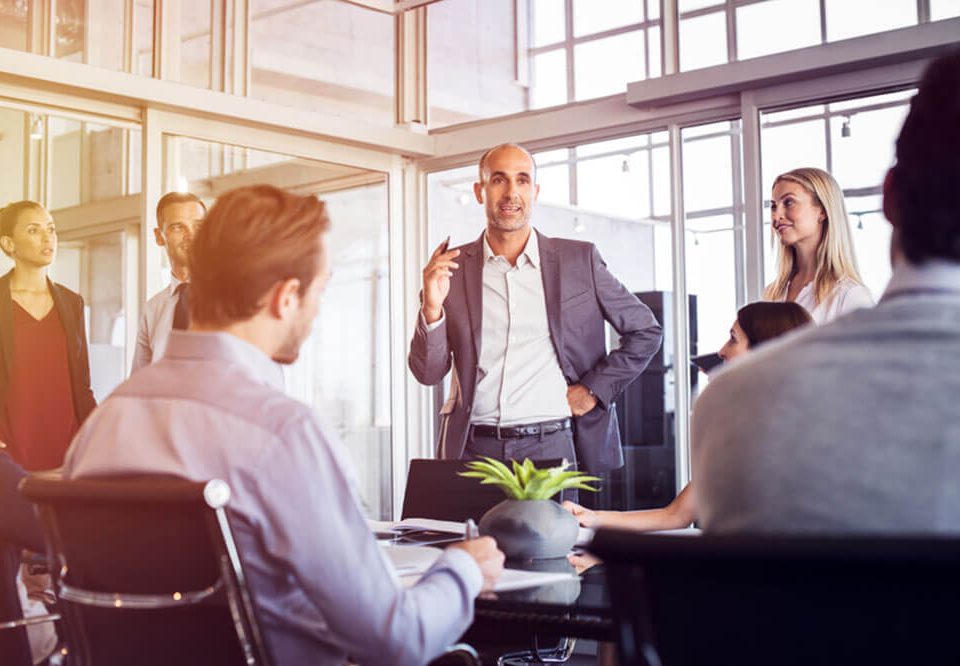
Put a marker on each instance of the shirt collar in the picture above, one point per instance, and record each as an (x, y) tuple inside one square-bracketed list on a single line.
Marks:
[(530, 254), (930, 276), (220, 346), (174, 283)]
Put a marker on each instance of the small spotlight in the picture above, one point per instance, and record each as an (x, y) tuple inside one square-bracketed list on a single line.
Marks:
[(625, 167), (464, 199), (36, 127), (578, 226), (845, 128)]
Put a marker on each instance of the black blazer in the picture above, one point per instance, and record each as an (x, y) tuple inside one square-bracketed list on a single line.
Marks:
[(69, 306)]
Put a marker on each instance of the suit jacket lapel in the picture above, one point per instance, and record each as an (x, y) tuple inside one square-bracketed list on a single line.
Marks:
[(550, 272), (472, 267), (6, 322)]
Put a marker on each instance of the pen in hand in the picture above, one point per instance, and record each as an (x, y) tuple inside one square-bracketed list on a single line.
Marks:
[(471, 531)]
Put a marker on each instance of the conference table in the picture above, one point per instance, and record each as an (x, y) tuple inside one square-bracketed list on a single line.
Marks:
[(576, 608)]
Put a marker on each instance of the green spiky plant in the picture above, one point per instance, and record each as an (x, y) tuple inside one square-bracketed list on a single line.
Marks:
[(525, 481)]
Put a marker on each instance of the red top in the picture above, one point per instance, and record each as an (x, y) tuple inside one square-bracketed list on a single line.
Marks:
[(40, 417)]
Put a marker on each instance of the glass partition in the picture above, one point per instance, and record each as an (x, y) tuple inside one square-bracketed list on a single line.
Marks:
[(88, 176), (615, 194), (344, 367), (333, 57)]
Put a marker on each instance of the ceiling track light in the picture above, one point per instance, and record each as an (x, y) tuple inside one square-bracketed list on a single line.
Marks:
[(36, 127), (845, 128)]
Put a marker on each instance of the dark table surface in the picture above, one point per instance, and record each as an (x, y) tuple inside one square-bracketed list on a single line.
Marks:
[(578, 608)]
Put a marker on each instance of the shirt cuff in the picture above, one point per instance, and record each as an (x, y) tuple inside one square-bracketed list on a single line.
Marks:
[(464, 566), (435, 325)]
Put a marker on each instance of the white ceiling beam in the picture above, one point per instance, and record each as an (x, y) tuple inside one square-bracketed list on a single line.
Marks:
[(102, 85), (582, 122)]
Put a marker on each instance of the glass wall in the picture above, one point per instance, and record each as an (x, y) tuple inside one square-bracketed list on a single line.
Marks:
[(490, 58), (83, 173), (853, 140), (113, 34), (323, 56), (344, 367), (713, 32), (616, 195), (714, 235)]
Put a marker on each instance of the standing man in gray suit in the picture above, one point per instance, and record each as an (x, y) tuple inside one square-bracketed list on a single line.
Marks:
[(520, 318)]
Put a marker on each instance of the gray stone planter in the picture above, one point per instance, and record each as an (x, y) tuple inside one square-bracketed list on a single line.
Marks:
[(530, 529)]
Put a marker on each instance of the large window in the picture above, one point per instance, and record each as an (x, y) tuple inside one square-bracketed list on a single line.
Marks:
[(102, 33), (713, 226), (323, 56), (713, 32), (84, 173), (494, 57)]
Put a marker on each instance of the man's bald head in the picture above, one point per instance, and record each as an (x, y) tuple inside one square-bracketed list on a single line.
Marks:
[(502, 146)]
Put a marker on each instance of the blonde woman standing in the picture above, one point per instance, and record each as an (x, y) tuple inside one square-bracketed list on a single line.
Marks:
[(817, 267)]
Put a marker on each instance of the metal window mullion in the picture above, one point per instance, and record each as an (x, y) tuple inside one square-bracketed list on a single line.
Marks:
[(50, 29), (46, 165), (216, 75), (752, 196), (129, 39), (923, 11), (731, 19), (568, 46), (828, 141), (670, 36), (739, 249), (823, 21), (681, 324)]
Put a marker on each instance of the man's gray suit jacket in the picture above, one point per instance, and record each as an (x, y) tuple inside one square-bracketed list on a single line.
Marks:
[(580, 295)]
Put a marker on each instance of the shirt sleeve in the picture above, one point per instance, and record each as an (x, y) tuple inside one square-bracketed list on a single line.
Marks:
[(142, 355), (854, 298), (316, 527)]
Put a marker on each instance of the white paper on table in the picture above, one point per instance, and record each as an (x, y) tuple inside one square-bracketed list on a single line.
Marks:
[(417, 525)]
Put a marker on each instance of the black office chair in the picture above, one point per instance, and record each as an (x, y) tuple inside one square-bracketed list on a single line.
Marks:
[(436, 490), (782, 600), (146, 572)]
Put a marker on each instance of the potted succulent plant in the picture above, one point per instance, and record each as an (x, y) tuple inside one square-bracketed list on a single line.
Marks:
[(528, 524)]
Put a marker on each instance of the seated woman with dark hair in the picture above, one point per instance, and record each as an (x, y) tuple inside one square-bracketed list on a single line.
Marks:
[(755, 324)]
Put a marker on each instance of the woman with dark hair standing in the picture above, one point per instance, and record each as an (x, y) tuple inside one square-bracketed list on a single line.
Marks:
[(755, 324), (44, 371)]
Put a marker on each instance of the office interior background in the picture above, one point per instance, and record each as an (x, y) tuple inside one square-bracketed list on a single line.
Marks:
[(657, 125)]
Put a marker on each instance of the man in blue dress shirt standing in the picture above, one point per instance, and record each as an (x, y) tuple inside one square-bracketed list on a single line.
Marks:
[(212, 407)]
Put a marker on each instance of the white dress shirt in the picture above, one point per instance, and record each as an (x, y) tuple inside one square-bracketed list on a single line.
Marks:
[(155, 326), (519, 379), (213, 407)]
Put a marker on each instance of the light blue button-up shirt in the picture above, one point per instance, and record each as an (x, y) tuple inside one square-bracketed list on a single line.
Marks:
[(212, 408)]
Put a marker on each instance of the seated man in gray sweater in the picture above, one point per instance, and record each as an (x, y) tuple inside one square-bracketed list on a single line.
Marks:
[(853, 427)]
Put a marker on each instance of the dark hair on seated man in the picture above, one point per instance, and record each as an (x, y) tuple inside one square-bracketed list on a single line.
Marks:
[(921, 188)]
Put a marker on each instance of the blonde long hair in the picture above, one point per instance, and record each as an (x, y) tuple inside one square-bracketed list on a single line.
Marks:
[(835, 257)]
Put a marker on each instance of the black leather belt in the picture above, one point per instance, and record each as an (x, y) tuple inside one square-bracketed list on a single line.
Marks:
[(524, 430)]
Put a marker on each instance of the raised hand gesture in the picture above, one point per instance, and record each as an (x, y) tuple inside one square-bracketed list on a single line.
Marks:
[(436, 281)]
